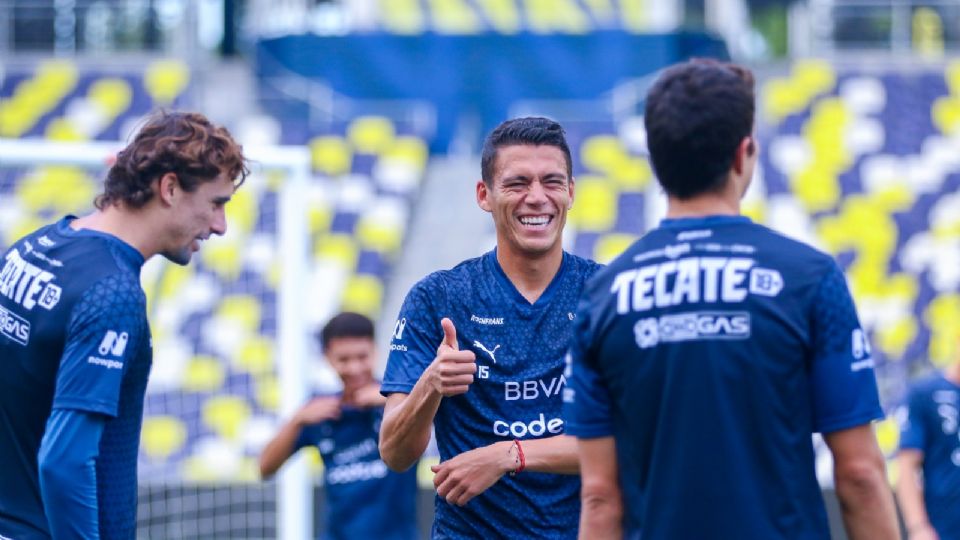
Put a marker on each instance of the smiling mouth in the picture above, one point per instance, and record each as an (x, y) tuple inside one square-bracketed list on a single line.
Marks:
[(535, 222)]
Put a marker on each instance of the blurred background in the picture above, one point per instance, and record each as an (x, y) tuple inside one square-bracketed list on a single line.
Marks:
[(365, 119)]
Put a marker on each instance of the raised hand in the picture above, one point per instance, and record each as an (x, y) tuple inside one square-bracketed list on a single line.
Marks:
[(318, 410), (451, 372)]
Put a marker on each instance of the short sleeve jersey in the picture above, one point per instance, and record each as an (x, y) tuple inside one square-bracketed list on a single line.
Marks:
[(516, 393), (73, 335), (931, 427), (364, 499), (711, 350)]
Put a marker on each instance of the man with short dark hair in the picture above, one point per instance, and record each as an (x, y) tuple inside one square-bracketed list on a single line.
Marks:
[(707, 354), (477, 353), (928, 486), (364, 498), (75, 342)]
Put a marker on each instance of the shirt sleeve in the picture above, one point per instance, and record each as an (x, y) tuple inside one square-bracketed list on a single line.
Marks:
[(104, 334), (913, 431), (416, 336), (843, 385), (586, 401), (68, 477)]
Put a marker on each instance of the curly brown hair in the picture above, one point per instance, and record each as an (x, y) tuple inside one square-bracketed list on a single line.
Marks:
[(182, 143)]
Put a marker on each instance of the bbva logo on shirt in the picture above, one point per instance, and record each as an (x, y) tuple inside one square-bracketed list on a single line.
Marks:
[(113, 343)]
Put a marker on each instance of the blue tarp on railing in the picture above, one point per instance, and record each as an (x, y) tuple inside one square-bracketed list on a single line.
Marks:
[(479, 75)]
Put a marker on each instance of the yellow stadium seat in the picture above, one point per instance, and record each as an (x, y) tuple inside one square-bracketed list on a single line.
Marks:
[(888, 435), (22, 227), (502, 14), (634, 13), (203, 374), (243, 210), (382, 235), (256, 355), (548, 16), (781, 99), (610, 246), (371, 134), (952, 76), (172, 280), (454, 17), (61, 129), (226, 415), (339, 248), (162, 436), (165, 80), (411, 149), (633, 174), (363, 294), (243, 310), (814, 77), (895, 338), (268, 392), (402, 16), (223, 256), (603, 153), (942, 316), (946, 114), (112, 95), (595, 205), (330, 155)]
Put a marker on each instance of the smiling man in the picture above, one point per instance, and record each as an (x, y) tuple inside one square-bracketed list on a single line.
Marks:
[(478, 351), (74, 337)]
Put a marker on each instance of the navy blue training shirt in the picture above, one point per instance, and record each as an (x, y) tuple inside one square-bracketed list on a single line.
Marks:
[(364, 498), (73, 336), (931, 427), (711, 350), (516, 393)]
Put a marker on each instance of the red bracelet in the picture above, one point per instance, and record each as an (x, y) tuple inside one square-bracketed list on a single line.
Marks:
[(521, 460)]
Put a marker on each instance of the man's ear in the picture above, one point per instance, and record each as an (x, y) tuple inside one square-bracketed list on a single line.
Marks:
[(483, 194), (745, 151), (167, 188)]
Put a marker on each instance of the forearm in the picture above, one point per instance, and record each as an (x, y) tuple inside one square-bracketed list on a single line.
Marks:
[(405, 430), (68, 477), (867, 505), (556, 454), (601, 516), (280, 448), (910, 495)]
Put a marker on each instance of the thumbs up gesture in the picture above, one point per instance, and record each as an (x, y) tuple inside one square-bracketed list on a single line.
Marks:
[(451, 372)]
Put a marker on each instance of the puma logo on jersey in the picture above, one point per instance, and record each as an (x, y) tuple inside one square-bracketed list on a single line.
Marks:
[(488, 351)]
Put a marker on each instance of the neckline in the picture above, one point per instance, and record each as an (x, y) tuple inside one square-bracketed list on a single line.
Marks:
[(64, 229), (518, 299), (704, 221)]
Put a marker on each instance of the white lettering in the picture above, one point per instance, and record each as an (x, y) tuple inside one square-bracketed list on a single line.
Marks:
[(536, 428), (533, 389)]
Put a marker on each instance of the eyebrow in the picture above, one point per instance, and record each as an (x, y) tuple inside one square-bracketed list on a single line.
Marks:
[(222, 200)]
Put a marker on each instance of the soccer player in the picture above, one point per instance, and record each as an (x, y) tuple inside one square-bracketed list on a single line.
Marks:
[(478, 350), (929, 459), (75, 342), (707, 354), (364, 498)]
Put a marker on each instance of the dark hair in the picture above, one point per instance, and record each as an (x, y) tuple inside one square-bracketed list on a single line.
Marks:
[(532, 130), (346, 324), (185, 144), (697, 113)]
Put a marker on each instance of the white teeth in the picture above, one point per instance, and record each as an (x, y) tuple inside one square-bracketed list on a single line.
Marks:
[(538, 220)]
